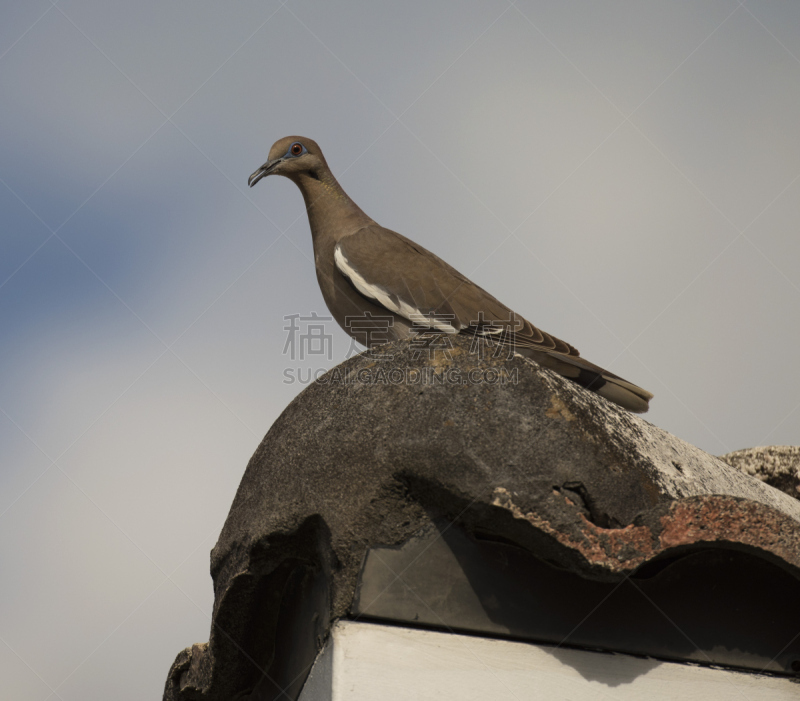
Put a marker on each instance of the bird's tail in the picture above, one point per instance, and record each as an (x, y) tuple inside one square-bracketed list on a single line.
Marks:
[(595, 378), (625, 394)]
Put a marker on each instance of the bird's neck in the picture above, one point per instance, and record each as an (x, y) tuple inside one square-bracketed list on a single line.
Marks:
[(331, 212)]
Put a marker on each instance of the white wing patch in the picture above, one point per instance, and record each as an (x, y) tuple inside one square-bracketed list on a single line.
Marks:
[(384, 298)]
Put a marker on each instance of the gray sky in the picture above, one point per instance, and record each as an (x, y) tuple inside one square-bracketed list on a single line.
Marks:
[(623, 174)]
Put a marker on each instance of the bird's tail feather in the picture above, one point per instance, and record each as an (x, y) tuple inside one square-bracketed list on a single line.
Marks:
[(595, 378), (625, 394)]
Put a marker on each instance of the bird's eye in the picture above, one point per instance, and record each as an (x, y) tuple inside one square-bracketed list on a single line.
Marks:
[(296, 148)]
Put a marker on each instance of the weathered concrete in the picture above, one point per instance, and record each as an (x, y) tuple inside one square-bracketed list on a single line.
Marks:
[(777, 465), (365, 459)]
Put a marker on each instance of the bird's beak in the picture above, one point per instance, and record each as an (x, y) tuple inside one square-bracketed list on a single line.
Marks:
[(267, 169)]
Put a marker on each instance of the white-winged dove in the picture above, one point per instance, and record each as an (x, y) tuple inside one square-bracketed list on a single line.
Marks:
[(380, 286)]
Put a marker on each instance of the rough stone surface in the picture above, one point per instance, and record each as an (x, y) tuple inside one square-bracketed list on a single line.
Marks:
[(777, 465), (364, 459)]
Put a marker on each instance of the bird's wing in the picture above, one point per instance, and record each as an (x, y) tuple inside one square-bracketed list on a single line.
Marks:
[(412, 282), (403, 277)]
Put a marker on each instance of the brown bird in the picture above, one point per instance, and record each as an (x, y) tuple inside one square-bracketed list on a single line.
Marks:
[(381, 286)]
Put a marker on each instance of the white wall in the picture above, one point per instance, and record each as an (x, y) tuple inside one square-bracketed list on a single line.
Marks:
[(365, 662)]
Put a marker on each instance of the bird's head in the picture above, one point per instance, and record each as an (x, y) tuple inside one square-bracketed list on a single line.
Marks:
[(291, 157)]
